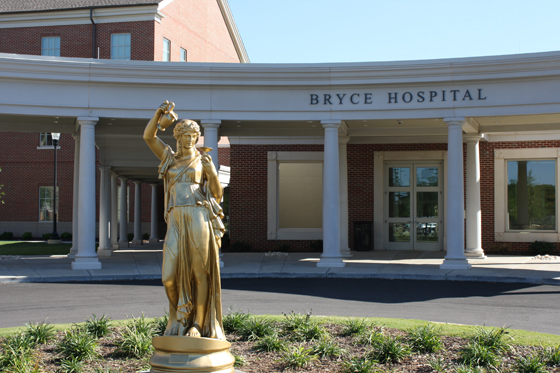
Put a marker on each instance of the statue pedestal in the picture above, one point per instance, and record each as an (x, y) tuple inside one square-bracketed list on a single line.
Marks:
[(191, 355)]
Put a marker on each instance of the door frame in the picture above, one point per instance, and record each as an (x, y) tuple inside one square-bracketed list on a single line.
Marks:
[(379, 159)]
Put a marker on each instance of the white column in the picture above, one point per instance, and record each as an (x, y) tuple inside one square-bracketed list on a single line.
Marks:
[(154, 216), (474, 213), (343, 190), (114, 212), (331, 206), (137, 214), (123, 234), (211, 138), (86, 257), (75, 204), (104, 212), (455, 258)]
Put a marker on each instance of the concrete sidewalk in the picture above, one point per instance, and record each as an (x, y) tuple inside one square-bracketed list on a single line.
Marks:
[(144, 263)]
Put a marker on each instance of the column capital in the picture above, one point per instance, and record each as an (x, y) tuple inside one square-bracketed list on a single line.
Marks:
[(210, 123), (87, 121), (154, 185), (124, 179), (76, 135), (472, 137), (103, 168), (454, 121), (114, 174), (331, 123), (137, 182), (343, 139)]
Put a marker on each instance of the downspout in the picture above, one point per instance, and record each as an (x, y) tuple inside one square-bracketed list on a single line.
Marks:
[(94, 32)]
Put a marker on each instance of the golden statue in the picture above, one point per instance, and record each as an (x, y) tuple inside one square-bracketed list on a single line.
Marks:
[(191, 269)]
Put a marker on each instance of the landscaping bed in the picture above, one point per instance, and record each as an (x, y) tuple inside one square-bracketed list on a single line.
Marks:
[(292, 342)]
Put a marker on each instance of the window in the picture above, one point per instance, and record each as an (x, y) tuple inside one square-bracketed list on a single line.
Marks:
[(46, 197), (50, 46), (166, 50), (183, 55), (120, 46), (45, 139), (295, 179), (525, 194)]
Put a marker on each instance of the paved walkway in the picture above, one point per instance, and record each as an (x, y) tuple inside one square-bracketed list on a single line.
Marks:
[(144, 262)]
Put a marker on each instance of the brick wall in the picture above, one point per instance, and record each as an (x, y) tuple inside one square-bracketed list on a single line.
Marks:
[(198, 27)]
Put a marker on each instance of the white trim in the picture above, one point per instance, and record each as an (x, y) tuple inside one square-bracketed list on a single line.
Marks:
[(233, 32), (48, 147), (164, 3), (523, 136), (501, 156), (273, 232), (273, 140), (80, 16)]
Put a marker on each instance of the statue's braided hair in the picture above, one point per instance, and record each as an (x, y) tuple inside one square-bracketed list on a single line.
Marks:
[(185, 126)]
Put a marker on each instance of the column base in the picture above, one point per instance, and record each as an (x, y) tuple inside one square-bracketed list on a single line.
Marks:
[(137, 242), (104, 252), (54, 242), (123, 244), (154, 240), (455, 264), (72, 253), (114, 246), (86, 263), (346, 253), (475, 254), (221, 259), (334, 262)]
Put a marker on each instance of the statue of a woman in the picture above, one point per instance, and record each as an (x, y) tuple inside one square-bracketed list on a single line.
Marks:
[(191, 270)]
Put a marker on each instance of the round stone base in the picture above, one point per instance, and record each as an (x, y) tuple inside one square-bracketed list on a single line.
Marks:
[(192, 355)]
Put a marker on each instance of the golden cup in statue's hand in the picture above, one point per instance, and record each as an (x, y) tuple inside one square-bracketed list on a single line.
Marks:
[(168, 116)]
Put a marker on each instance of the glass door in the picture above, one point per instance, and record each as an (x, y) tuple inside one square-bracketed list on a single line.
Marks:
[(413, 201)]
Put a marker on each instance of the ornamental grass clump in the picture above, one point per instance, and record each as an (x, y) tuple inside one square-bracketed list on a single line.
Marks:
[(326, 347), (136, 338), (476, 354), (302, 328), (530, 364), (493, 338), (270, 343), (78, 345), (468, 369), (256, 328), (71, 365), (160, 324), (98, 327), (353, 326), (40, 332), (425, 339), (551, 355), (438, 364), (390, 350), (298, 357), (370, 337), (359, 365), (17, 354), (234, 321)]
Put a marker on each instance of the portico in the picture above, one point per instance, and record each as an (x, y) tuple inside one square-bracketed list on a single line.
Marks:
[(344, 130)]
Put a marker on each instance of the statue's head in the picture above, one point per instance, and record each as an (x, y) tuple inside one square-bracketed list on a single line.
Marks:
[(186, 126)]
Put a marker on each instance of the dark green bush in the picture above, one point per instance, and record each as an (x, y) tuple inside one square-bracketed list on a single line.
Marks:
[(146, 236), (46, 236), (239, 246), (66, 236), (27, 236), (285, 248), (541, 248), (7, 236), (316, 246), (130, 236)]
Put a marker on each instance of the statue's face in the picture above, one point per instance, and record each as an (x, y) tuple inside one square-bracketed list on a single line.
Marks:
[(189, 139)]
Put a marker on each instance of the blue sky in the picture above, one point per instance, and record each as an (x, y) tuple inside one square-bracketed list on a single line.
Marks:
[(306, 31)]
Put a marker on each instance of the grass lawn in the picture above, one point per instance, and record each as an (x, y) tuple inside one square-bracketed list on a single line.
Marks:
[(33, 248)]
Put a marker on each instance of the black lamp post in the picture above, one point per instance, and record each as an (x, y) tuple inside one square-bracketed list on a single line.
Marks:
[(54, 234)]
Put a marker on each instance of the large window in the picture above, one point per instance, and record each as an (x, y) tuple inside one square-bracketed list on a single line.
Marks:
[(120, 46), (531, 195), (166, 50), (46, 203), (50, 46)]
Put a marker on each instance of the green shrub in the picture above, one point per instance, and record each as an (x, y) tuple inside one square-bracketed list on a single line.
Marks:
[(359, 365), (354, 326), (371, 337), (316, 246), (425, 339), (130, 236), (551, 355), (476, 354), (98, 327), (71, 365), (493, 338), (233, 322), (298, 357), (46, 236), (541, 248), (146, 236), (468, 369), (77, 345), (239, 360), (302, 328), (135, 341), (390, 350), (530, 364), (40, 332), (66, 236), (27, 236), (160, 324), (269, 343), (285, 248), (326, 347), (438, 364), (7, 236), (255, 328), (17, 349), (239, 246)]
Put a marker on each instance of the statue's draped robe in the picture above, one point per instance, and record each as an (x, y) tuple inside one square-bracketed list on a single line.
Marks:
[(194, 225)]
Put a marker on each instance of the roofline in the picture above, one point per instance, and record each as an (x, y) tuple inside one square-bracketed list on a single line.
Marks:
[(233, 31), (82, 8)]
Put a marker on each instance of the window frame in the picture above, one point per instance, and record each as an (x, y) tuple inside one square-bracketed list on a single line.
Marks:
[(502, 233), (41, 134), (123, 46), (273, 232), (57, 203), (183, 53), (54, 49), (166, 53)]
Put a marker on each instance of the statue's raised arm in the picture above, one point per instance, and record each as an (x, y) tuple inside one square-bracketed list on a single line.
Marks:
[(163, 118)]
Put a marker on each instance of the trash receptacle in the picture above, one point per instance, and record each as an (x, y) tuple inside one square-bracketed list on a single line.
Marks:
[(363, 238)]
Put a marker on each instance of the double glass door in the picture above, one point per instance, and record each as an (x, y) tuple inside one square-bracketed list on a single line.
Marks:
[(413, 206)]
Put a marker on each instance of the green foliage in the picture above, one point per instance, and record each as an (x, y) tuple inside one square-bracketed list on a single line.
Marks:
[(425, 338), (476, 354), (468, 369), (354, 326), (239, 246), (269, 343), (71, 365), (7, 236), (371, 337), (66, 236), (438, 364), (359, 365), (493, 338), (255, 328), (17, 354), (390, 350), (551, 355), (40, 332), (77, 344), (146, 236), (134, 343), (46, 236), (316, 246), (233, 322), (27, 236), (326, 347), (160, 324), (530, 364), (98, 327), (239, 360), (302, 327), (298, 357), (33, 248), (541, 248), (130, 236)]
